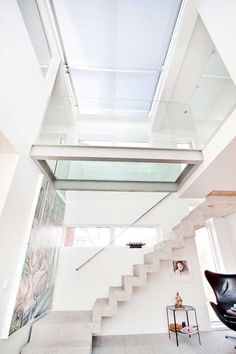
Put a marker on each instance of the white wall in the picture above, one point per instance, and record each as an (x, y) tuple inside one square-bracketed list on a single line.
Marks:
[(146, 311), (231, 223), (8, 161), (91, 282), (15, 224), (8, 164), (219, 18), (24, 95), (123, 208), (226, 236), (23, 88)]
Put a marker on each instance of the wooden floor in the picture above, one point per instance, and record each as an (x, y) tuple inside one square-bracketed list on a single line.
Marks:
[(212, 343)]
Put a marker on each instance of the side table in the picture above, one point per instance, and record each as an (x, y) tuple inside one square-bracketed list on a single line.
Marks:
[(186, 309)]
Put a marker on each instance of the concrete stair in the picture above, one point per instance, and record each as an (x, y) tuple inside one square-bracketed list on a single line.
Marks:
[(61, 332), (62, 347), (71, 332), (108, 307), (61, 325)]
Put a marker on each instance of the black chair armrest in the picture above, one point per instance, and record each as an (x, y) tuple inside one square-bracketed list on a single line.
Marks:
[(231, 318)]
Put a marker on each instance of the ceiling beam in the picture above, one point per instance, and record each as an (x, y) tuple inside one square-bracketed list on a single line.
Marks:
[(115, 186), (117, 154)]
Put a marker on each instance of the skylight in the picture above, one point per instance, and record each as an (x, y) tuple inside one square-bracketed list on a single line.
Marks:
[(115, 50)]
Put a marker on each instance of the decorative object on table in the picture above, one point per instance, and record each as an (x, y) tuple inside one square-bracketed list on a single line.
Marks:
[(189, 330), (178, 301), (135, 244), (175, 327)]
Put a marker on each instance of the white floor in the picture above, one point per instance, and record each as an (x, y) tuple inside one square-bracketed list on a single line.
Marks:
[(212, 343)]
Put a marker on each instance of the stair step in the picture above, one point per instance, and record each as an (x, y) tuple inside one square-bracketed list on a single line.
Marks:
[(152, 268), (61, 326), (63, 347), (117, 293), (132, 280), (155, 257), (102, 307), (67, 317), (101, 303), (140, 271)]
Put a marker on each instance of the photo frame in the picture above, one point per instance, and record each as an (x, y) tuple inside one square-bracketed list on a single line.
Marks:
[(180, 270)]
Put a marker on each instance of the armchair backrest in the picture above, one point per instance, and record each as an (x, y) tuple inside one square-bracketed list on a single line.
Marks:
[(224, 287)]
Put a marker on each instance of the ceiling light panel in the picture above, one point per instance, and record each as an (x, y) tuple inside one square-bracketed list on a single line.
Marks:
[(115, 49)]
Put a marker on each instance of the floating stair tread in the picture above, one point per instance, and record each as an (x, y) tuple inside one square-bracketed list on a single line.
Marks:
[(130, 277), (116, 289), (101, 302)]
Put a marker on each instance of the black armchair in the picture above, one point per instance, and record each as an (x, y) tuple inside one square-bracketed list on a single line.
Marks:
[(224, 287)]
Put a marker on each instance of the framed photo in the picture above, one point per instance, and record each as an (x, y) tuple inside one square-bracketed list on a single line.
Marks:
[(180, 270)]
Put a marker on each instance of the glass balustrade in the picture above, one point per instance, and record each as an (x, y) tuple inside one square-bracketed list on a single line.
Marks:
[(116, 171)]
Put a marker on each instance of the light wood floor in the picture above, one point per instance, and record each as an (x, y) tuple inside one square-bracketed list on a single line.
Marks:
[(212, 343)]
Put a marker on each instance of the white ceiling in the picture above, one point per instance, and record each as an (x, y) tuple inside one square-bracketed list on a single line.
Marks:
[(220, 175), (5, 146)]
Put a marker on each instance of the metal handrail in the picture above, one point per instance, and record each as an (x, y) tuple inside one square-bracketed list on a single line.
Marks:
[(121, 233)]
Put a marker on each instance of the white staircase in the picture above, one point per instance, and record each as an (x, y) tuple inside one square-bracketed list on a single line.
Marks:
[(61, 332), (71, 332)]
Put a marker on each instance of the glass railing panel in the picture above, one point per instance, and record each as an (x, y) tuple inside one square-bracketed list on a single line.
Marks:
[(171, 124), (117, 171), (140, 122)]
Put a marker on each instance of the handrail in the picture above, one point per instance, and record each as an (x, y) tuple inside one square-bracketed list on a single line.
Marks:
[(126, 228)]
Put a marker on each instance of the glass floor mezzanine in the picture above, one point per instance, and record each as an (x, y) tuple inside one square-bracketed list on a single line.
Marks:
[(115, 168)]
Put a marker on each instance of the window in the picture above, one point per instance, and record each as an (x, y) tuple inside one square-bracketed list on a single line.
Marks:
[(147, 235), (91, 236), (210, 259), (112, 236)]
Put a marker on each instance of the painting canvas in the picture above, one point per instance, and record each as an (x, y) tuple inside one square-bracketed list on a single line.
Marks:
[(38, 276)]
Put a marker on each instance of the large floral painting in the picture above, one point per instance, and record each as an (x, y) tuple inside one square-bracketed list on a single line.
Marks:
[(38, 276)]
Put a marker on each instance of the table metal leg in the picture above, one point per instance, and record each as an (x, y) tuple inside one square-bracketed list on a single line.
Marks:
[(176, 334), (187, 321), (197, 327), (167, 314)]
